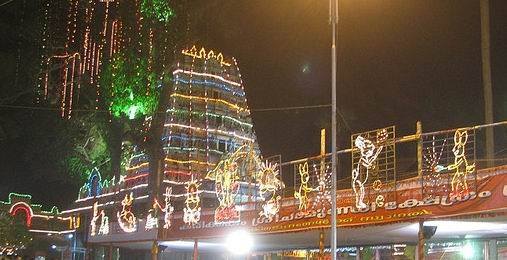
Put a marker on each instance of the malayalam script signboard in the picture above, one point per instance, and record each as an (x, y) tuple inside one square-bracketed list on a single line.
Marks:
[(490, 198)]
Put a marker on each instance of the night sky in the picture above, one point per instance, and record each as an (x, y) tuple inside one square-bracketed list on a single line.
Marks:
[(399, 61)]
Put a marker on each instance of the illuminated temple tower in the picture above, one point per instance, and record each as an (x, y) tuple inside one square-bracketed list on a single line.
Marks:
[(207, 117)]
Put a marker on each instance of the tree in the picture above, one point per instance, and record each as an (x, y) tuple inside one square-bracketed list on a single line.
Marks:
[(14, 232)]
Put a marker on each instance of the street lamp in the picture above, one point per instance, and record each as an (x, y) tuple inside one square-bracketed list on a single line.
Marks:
[(239, 242)]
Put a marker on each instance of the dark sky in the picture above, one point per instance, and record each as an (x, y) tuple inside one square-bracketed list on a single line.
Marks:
[(399, 61)]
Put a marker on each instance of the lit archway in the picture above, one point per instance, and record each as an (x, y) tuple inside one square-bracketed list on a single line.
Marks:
[(24, 207)]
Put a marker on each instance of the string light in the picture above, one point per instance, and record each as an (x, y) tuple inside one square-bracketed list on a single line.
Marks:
[(206, 114), (322, 198), (211, 130), (211, 84), (178, 71), (201, 54), (431, 160), (238, 108)]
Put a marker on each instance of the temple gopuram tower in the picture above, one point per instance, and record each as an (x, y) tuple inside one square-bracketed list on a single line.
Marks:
[(207, 117)]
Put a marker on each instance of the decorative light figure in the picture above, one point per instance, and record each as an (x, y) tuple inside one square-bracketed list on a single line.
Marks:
[(269, 184), (304, 188), (95, 217), (226, 176), (369, 153), (126, 218), (104, 222), (151, 219), (459, 184), (192, 210), (323, 197), (431, 162), (168, 209)]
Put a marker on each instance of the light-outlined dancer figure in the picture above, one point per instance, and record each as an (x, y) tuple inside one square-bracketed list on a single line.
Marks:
[(369, 153), (459, 185), (304, 188)]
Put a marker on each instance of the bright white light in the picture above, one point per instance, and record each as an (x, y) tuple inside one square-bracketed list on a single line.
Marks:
[(468, 251), (179, 244), (451, 227), (53, 246), (239, 242), (70, 236)]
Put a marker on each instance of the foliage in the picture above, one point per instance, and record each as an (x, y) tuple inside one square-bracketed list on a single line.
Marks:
[(159, 10), (130, 87), (91, 149), (14, 231)]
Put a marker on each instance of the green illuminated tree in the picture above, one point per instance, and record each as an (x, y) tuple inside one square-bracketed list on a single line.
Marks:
[(131, 88), (159, 10)]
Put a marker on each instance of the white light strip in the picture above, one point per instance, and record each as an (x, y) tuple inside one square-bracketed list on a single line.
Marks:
[(52, 232), (77, 209), (48, 217), (113, 193), (206, 75)]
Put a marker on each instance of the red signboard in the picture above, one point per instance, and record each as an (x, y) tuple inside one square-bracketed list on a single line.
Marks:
[(490, 197)]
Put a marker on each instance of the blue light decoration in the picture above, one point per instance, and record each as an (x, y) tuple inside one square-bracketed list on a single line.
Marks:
[(94, 185)]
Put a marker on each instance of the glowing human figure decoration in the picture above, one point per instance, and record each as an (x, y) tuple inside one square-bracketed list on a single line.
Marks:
[(459, 185), (151, 219), (168, 209), (95, 218), (192, 210), (269, 184), (369, 152), (104, 224), (104, 221), (226, 175), (126, 218), (304, 188)]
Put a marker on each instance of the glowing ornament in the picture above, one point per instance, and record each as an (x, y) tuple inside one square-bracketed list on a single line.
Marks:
[(431, 161), (126, 218), (322, 199)]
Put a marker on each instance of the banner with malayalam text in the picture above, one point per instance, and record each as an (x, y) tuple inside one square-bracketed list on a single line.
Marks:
[(489, 198)]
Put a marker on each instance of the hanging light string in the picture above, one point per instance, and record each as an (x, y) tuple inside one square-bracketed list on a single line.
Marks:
[(289, 108)]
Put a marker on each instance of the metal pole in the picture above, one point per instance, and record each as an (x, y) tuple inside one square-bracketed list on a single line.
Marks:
[(334, 22), (420, 241), (486, 81), (196, 250)]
